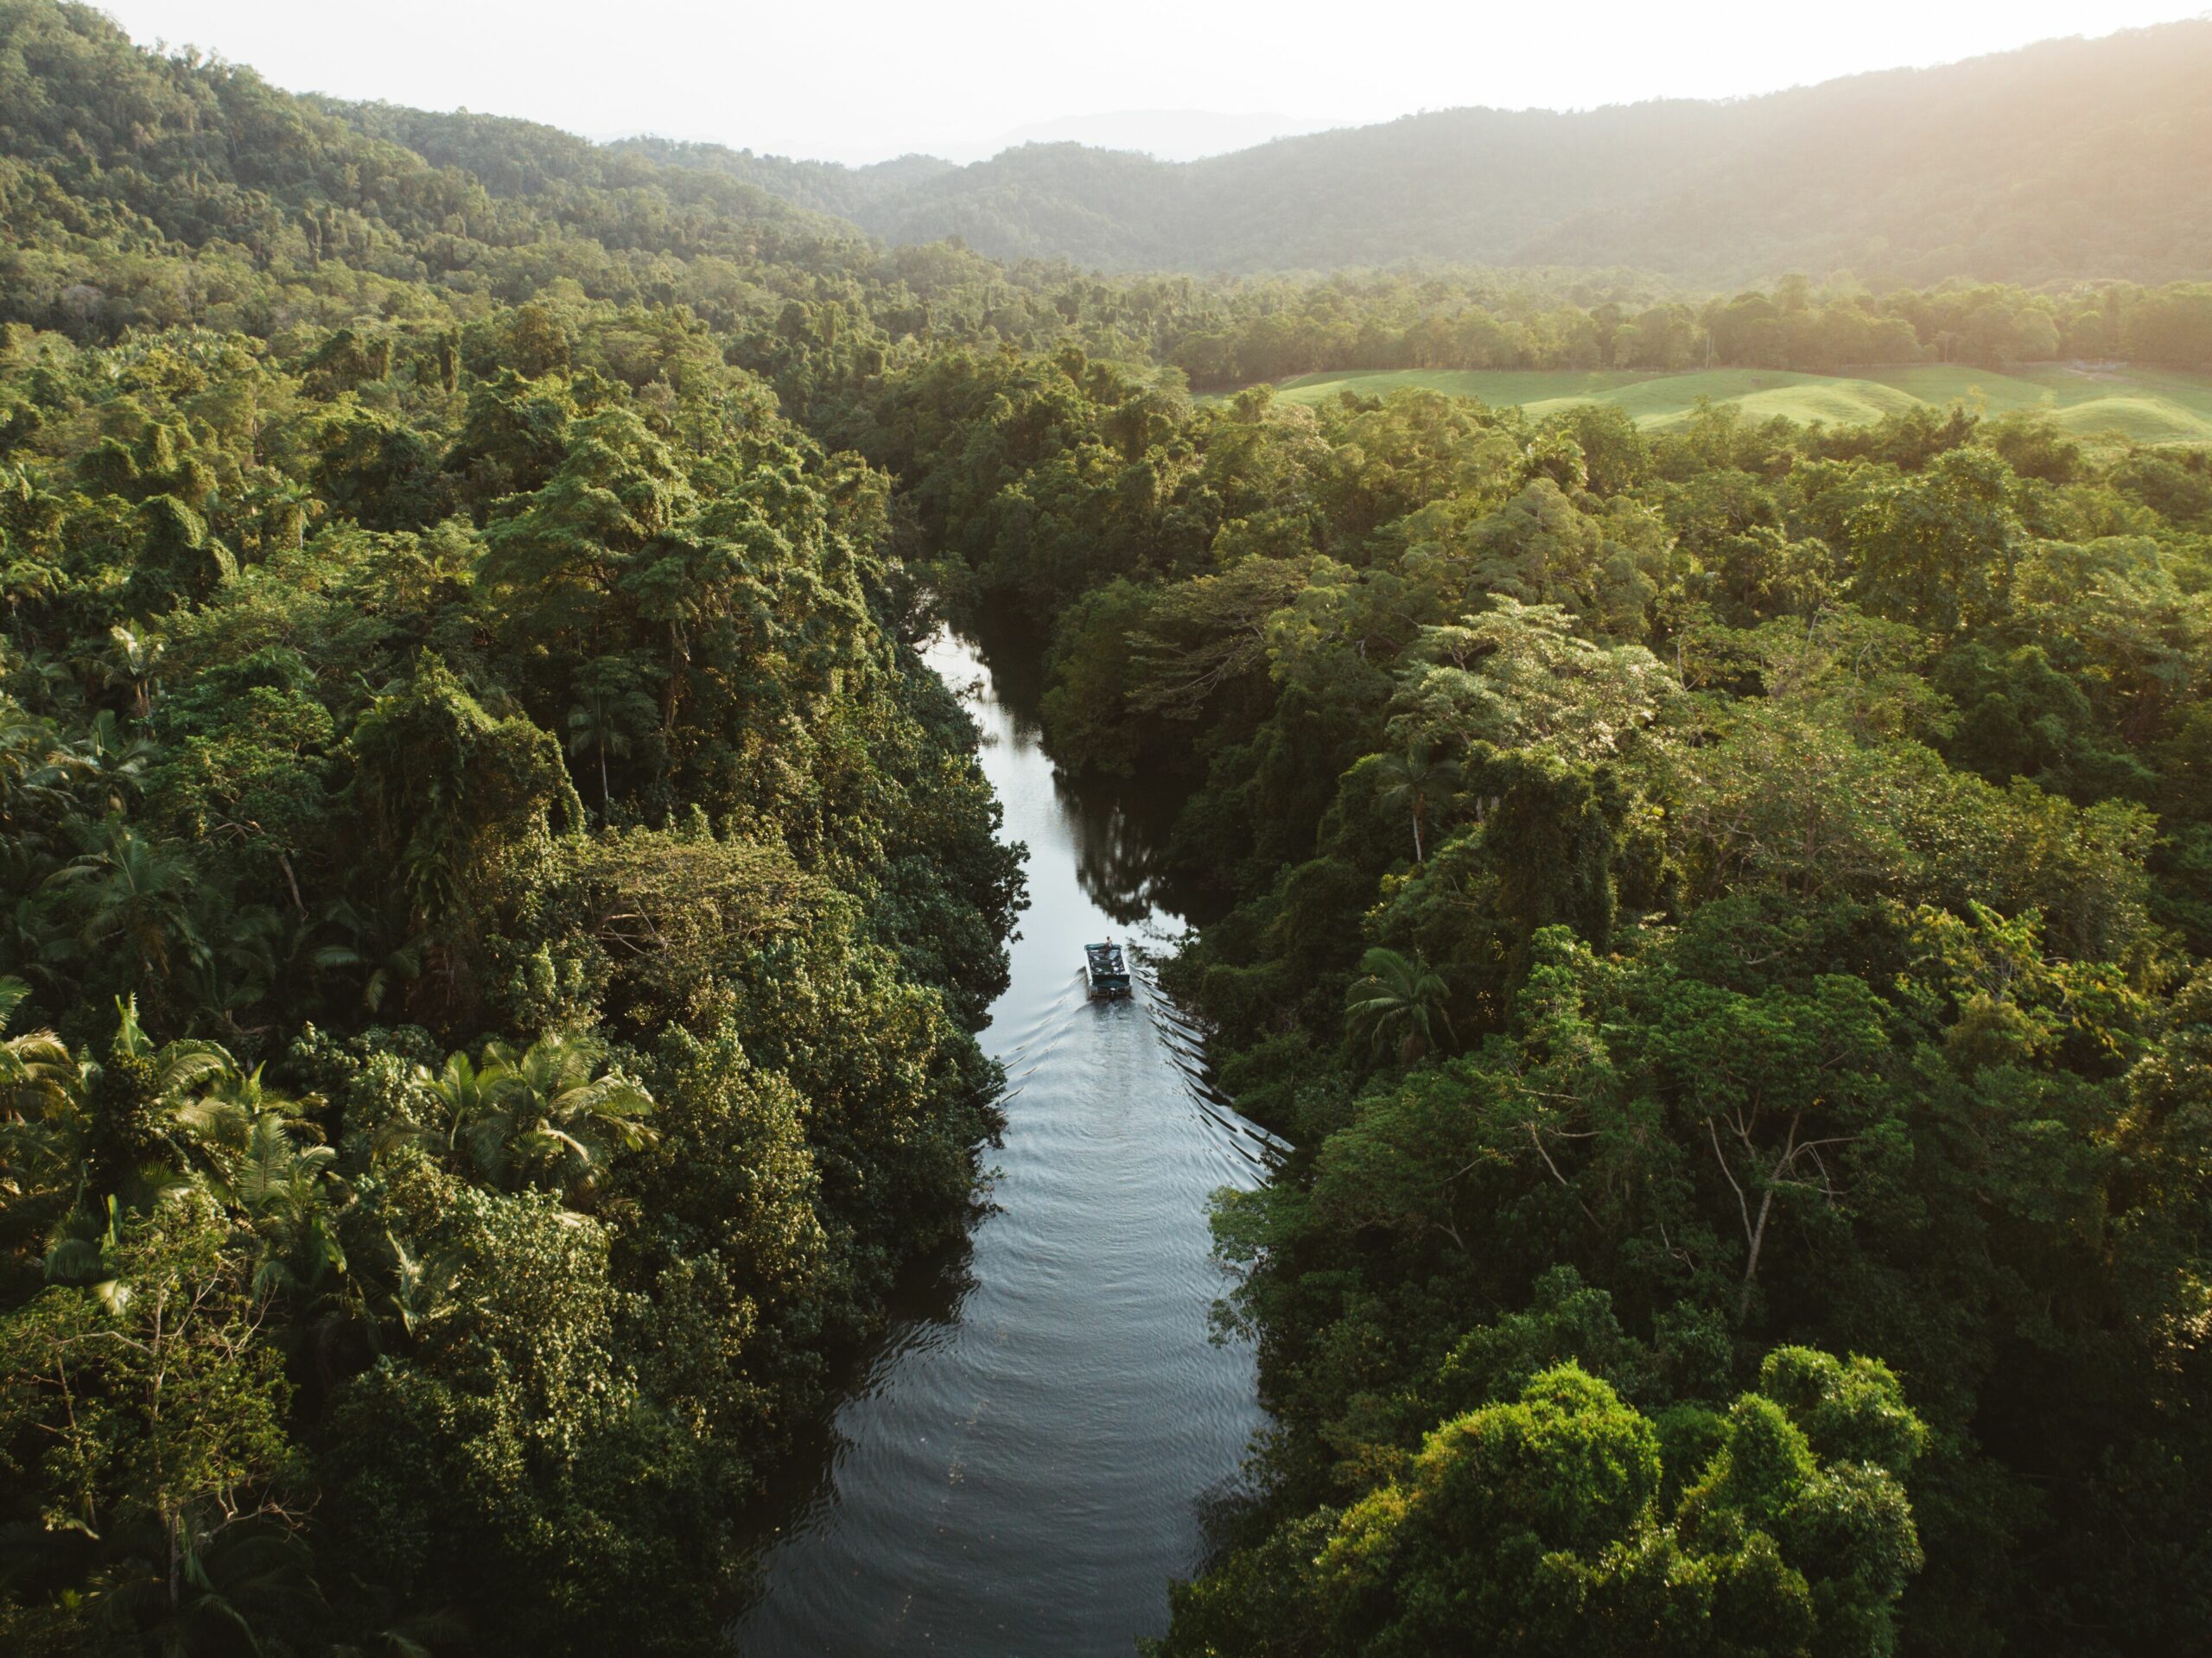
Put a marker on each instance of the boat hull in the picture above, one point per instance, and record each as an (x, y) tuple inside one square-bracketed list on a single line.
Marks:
[(1108, 971)]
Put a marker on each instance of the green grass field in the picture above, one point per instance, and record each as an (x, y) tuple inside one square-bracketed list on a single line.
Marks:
[(2148, 405)]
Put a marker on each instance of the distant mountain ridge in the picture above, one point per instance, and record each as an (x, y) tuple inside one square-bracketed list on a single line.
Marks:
[(1167, 134), (2068, 161), (2073, 158)]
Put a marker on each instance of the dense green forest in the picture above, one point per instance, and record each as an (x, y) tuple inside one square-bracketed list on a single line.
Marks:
[(1722, 915), (496, 910), (2071, 159)]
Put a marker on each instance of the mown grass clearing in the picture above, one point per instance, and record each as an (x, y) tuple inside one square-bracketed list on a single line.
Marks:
[(2147, 405)]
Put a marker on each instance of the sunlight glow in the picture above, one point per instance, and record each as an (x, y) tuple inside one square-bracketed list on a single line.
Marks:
[(875, 78)]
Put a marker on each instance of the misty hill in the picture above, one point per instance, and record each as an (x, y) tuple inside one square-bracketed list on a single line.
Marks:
[(2077, 159), (1170, 135), (2072, 158)]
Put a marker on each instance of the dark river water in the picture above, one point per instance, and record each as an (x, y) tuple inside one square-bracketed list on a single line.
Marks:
[(1032, 1452)]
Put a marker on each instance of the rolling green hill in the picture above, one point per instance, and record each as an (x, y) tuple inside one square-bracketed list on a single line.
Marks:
[(2147, 405)]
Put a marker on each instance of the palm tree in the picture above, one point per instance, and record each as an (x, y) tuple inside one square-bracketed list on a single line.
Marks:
[(214, 1109), (35, 770), (125, 1141), (153, 1116), (135, 893), (237, 970), (286, 505), (34, 1067), (203, 1581), (284, 1187), (592, 725), (39, 1094), (103, 1147), (131, 657), (610, 709), (186, 1113), (176, 1066), (116, 761), (34, 934), (364, 947), (548, 1114), (25, 580), (1413, 781), (1399, 995), (461, 1090), (256, 1151)]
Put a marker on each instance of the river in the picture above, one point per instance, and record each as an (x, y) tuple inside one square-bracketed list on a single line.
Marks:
[(1032, 1450)]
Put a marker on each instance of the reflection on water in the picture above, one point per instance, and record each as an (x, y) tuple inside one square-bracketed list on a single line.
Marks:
[(1040, 1441), (1116, 853)]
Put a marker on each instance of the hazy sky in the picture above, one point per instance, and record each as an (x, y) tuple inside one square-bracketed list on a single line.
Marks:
[(858, 80)]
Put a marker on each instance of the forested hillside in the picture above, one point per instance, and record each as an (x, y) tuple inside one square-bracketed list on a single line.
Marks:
[(2070, 159), (494, 913)]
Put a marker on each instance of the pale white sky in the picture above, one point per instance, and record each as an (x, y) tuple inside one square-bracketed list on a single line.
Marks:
[(858, 80)]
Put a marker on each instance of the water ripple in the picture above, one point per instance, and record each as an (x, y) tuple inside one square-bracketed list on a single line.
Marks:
[(1040, 1442)]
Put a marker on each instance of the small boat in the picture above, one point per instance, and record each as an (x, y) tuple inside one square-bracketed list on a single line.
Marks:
[(1107, 969)]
